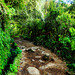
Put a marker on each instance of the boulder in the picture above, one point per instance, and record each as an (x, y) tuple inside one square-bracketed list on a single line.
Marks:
[(33, 71)]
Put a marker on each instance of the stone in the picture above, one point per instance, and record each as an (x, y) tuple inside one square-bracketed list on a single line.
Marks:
[(22, 47), (47, 54), (32, 49), (43, 52), (38, 49), (32, 60), (37, 56), (41, 61), (35, 48), (33, 71)]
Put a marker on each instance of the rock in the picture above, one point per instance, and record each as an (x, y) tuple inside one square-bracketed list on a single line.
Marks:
[(33, 71), (43, 52), (35, 48), (47, 54), (38, 49), (23, 48), (37, 56), (32, 49), (41, 61), (32, 60)]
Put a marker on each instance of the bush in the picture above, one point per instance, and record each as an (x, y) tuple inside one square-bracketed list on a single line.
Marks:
[(4, 49)]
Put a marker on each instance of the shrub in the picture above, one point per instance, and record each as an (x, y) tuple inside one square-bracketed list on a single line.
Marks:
[(4, 49)]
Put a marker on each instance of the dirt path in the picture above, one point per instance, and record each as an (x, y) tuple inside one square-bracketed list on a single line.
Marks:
[(34, 62)]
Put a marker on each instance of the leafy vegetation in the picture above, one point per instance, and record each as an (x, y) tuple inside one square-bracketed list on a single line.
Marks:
[(52, 27)]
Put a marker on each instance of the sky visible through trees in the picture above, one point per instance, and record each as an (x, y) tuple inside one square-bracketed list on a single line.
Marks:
[(66, 1)]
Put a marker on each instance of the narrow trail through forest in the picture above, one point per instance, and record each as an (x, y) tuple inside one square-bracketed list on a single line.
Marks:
[(37, 60)]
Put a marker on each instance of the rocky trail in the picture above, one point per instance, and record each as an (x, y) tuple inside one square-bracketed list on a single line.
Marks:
[(37, 60)]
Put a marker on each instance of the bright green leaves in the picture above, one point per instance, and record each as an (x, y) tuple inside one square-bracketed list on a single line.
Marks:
[(4, 49), (64, 20), (73, 44), (11, 12), (13, 68), (64, 40), (72, 31)]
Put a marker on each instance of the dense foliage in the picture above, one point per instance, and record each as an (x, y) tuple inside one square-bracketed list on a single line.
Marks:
[(52, 27), (4, 49), (8, 48)]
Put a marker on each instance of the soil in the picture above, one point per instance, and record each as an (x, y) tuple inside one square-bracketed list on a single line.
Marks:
[(53, 66)]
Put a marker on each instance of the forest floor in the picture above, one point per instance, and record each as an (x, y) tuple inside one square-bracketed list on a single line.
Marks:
[(37, 60)]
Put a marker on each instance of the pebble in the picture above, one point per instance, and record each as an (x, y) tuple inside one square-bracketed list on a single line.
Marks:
[(41, 61), (37, 56), (43, 52), (32, 60), (47, 54)]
